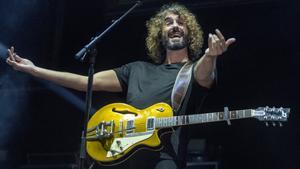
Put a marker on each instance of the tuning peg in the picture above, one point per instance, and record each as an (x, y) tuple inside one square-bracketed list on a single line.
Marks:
[(274, 124), (267, 124), (280, 124)]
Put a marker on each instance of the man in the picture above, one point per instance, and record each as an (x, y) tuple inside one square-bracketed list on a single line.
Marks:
[(174, 38)]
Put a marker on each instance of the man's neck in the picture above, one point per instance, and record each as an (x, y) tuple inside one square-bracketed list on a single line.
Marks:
[(176, 56)]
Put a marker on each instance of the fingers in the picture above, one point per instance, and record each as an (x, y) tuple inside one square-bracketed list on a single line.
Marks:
[(230, 41), (226, 43), (222, 39), (18, 58), (10, 54), (8, 61), (12, 50), (12, 57), (210, 41), (14, 65), (217, 44), (219, 34), (11, 63)]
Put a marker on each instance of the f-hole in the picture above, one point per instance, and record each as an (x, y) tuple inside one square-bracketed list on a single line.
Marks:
[(124, 112)]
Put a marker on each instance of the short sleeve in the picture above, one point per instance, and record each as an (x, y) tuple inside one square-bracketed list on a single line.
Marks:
[(123, 74)]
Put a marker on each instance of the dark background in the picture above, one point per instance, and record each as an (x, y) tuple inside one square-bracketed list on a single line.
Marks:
[(261, 68)]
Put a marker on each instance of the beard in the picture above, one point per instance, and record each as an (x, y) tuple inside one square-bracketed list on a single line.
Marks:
[(176, 43)]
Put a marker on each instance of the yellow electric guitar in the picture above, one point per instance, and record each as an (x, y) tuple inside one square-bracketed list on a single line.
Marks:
[(118, 130)]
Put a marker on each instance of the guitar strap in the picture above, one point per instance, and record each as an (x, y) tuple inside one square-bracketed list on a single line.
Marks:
[(181, 85)]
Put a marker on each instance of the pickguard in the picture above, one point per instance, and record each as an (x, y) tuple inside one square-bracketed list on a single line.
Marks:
[(120, 145)]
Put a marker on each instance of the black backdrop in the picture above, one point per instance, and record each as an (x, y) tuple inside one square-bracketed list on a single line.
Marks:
[(260, 69)]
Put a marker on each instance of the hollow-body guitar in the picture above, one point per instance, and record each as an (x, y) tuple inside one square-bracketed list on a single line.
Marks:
[(118, 130)]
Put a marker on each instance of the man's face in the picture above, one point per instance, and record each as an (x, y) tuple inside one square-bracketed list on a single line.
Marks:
[(174, 32)]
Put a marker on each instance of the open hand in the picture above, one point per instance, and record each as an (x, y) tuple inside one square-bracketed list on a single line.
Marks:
[(17, 62), (217, 44)]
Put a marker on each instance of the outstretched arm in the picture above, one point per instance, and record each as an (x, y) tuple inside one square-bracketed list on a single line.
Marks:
[(104, 80), (205, 66)]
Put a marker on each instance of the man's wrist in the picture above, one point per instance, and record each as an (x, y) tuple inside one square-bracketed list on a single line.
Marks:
[(210, 57), (34, 71)]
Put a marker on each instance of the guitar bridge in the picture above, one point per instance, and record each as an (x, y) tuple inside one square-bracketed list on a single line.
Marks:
[(102, 131)]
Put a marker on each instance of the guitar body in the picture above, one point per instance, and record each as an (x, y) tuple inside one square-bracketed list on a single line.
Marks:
[(118, 130)]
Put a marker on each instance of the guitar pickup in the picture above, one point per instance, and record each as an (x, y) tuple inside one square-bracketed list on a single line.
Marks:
[(150, 124), (130, 126)]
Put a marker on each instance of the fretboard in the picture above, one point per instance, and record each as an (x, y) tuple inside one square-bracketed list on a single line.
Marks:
[(202, 118)]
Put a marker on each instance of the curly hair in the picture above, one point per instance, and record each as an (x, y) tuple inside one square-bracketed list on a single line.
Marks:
[(154, 26)]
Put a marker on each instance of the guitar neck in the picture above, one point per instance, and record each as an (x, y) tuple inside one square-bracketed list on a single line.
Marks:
[(202, 118)]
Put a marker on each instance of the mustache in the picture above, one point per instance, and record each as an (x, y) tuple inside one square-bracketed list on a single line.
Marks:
[(175, 32)]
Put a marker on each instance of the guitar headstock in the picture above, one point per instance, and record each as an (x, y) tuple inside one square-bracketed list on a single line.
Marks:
[(272, 114)]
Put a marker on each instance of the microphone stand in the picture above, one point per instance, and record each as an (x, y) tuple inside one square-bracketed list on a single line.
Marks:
[(90, 51)]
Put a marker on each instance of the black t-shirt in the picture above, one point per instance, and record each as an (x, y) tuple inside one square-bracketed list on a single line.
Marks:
[(146, 84)]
